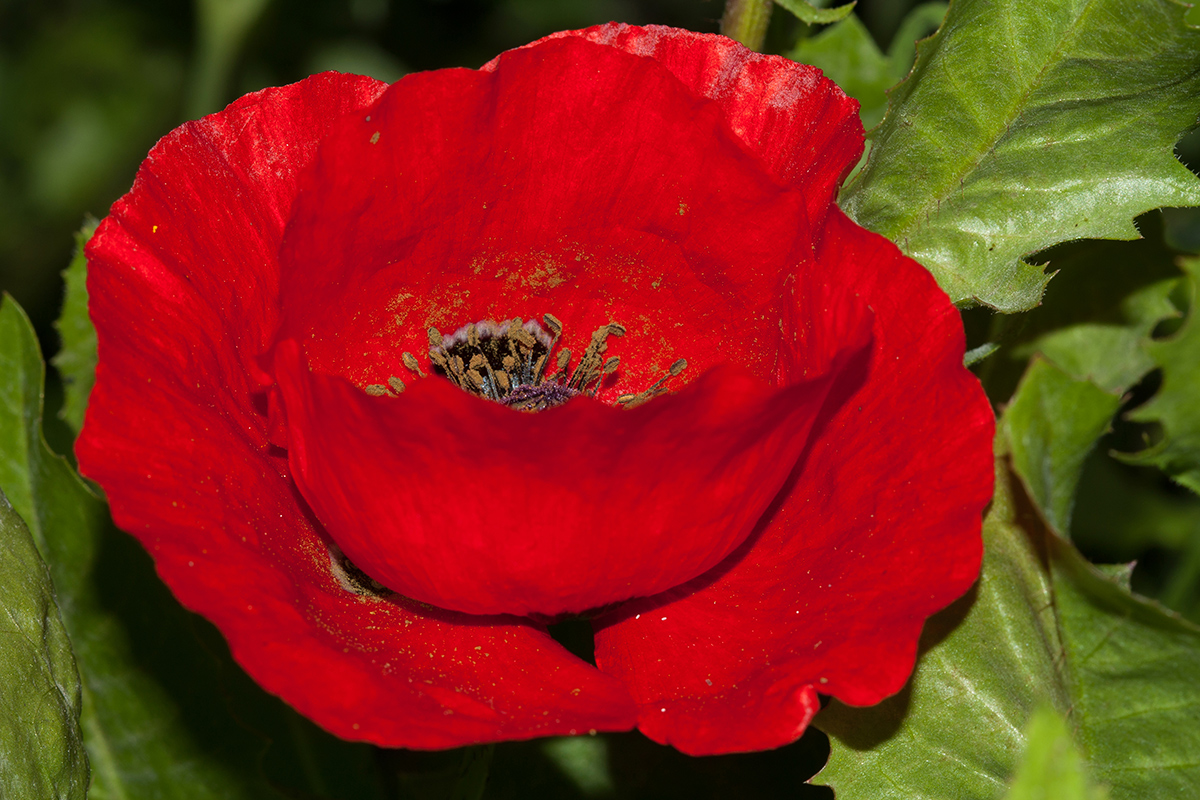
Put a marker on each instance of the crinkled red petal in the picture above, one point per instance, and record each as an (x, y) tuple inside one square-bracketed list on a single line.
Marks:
[(802, 126), (461, 502), (182, 281), (575, 179), (878, 529)]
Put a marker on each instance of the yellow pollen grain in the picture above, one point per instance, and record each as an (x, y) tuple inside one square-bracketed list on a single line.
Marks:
[(375, 138)]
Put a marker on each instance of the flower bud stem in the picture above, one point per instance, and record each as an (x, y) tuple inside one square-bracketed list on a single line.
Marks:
[(746, 21)]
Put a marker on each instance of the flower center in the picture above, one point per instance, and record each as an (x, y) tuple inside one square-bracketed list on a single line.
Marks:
[(509, 362)]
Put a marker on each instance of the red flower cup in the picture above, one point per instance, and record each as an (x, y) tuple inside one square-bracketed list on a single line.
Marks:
[(758, 471)]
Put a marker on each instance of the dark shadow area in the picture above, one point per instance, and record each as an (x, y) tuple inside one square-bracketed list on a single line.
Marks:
[(639, 769), (576, 636)]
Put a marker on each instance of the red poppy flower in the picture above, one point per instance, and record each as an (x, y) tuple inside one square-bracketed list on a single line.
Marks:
[(327, 315)]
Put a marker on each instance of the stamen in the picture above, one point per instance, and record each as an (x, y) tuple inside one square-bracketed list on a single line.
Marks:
[(635, 400), (410, 361), (507, 362)]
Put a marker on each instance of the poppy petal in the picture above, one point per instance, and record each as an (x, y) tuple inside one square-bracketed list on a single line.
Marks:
[(802, 125), (461, 502), (574, 179), (182, 281), (878, 528)]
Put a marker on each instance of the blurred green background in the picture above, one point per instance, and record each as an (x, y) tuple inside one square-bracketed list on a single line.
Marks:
[(88, 86)]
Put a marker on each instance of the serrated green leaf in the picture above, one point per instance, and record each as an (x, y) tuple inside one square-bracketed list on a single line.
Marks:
[(810, 14), (1052, 767), (155, 719), (1134, 684), (1177, 405), (1121, 668), (1099, 312), (41, 748), (76, 359), (1025, 124), (1053, 423)]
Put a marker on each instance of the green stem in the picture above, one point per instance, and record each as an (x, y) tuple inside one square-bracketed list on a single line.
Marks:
[(747, 21), (221, 28)]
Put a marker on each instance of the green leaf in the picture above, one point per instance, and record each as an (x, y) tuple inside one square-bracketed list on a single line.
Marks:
[(812, 15), (1102, 307), (847, 54), (1133, 681), (1052, 767), (977, 354), (76, 359), (155, 678), (1025, 124), (41, 749), (1176, 407), (922, 21), (1052, 424), (989, 661), (1042, 628)]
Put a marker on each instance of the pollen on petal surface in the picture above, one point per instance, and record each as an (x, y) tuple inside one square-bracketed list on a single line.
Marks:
[(460, 502), (183, 285)]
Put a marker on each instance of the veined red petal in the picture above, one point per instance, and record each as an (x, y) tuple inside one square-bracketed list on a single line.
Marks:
[(878, 528), (183, 285), (466, 504), (802, 126), (574, 179)]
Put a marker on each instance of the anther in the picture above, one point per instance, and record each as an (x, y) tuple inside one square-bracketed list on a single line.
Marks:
[(410, 361)]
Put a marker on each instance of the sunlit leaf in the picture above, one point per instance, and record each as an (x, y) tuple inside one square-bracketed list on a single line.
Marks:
[(1052, 767), (41, 749), (1025, 124), (1121, 669)]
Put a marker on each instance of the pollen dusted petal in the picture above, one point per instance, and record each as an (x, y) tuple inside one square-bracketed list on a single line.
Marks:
[(183, 283), (597, 189), (802, 125), (877, 529)]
